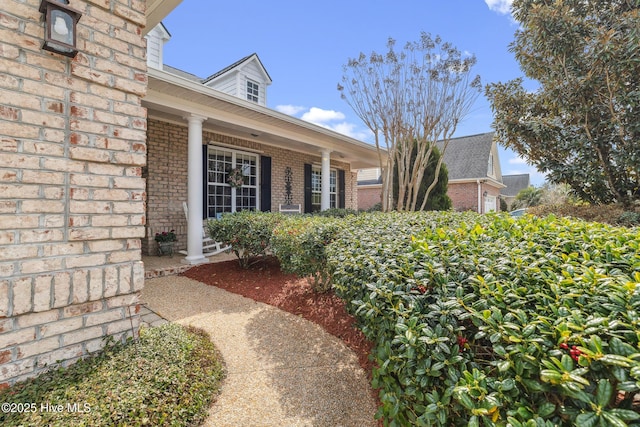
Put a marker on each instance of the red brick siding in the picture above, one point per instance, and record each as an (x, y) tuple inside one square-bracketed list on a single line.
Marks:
[(464, 196), (369, 196), (166, 176)]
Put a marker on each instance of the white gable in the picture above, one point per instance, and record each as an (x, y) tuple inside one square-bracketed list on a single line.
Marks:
[(493, 168), (156, 39), (246, 79)]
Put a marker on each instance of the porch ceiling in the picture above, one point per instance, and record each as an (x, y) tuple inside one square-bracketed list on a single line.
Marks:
[(172, 98)]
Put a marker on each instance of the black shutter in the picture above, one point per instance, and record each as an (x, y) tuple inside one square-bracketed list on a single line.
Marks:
[(341, 192), (307, 188), (265, 184), (205, 182)]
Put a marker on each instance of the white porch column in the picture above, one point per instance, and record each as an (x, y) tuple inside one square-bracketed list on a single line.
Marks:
[(194, 191), (325, 200)]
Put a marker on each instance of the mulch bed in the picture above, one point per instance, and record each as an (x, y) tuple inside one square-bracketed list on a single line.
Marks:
[(264, 282)]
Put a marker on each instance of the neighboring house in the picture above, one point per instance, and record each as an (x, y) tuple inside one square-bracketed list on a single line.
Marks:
[(369, 188), (73, 146), (475, 179), (198, 130), (514, 184)]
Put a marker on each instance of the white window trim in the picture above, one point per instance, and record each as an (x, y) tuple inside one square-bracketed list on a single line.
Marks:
[(317, 168), (234, 156), (251, 95)]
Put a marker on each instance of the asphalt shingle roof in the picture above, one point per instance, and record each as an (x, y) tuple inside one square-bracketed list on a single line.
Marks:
[(514, 184), (234, 65), (468, 157)]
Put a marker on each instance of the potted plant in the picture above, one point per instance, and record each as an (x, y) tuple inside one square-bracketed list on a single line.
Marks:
[(165, 240)]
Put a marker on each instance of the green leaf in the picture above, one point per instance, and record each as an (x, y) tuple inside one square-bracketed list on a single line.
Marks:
[(614, 359), (604, 392), (546, 409), (625, 414), (513, 422), (613, 420), (587, 420)]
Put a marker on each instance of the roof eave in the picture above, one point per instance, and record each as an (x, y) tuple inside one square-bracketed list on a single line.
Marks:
[(156, 11), (484, 180), (178, 85)]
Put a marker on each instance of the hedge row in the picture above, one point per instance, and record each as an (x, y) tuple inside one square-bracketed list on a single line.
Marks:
[(300, 244), (480, 319), (248, 233), (298, 241), (608, 214), (490, 320)]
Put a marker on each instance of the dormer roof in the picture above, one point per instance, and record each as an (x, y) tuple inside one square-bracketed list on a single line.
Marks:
[(162, 31), (238, 66)]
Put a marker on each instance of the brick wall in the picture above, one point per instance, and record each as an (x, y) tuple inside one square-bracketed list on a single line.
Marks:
[(464, 196), (368, 196), (72, 147), (166, 175)]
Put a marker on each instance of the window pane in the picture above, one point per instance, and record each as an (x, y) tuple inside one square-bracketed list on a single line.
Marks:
[(253, 90), (316, 188), (220, 193)]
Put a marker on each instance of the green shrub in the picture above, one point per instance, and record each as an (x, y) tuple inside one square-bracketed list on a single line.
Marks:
[(606, 214), (375, 208), (629, 219), (554, 304), (300, 243), (488, 320), (248, 233), (169, 378), (337, 212)]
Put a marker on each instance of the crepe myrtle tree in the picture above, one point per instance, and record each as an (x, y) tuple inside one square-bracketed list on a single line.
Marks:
[(417, 94), (582, 125)]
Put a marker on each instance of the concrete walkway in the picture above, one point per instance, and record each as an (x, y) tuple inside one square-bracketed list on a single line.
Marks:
[(282, 370)]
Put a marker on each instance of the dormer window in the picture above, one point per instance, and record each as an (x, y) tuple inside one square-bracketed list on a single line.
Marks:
[(253, 91)]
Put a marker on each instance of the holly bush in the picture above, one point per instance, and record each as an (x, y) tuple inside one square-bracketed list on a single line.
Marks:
[(248, 233), (495, 321), (300, 242)]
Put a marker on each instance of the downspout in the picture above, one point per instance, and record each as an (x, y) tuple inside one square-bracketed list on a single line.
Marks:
[(479, 195)]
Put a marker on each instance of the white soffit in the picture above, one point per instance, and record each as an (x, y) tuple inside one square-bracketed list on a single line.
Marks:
[(156, 11)]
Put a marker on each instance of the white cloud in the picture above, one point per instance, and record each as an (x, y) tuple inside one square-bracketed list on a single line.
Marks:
[(291, 110), (500, 6), (319, 116), (518, 166), (517, 161), (350, 129), (328, 119)]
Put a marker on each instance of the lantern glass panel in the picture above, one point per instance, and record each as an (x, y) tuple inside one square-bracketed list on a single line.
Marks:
[(61, 27)]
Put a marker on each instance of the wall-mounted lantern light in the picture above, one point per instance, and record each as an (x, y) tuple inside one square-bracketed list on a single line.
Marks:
[(60, 27), (485, 194)]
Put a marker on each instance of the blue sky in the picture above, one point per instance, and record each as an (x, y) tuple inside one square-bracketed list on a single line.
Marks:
[(304, 45)]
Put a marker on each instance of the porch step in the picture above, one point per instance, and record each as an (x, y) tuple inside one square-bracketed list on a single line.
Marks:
[(166, 271)]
